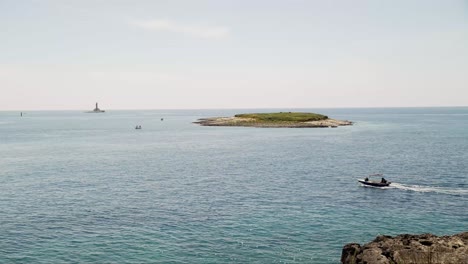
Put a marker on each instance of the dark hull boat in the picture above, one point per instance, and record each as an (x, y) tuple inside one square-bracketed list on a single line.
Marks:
[(374, 183)]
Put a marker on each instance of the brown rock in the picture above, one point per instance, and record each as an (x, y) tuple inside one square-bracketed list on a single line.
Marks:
[(251, 122), (409, 249)]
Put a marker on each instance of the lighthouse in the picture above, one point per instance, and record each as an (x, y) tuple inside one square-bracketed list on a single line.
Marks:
[(96, 110)]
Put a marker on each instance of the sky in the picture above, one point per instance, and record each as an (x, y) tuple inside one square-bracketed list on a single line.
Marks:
[(203, 54)]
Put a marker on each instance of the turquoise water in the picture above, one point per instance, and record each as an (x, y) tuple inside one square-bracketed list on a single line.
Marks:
[(78, 187)]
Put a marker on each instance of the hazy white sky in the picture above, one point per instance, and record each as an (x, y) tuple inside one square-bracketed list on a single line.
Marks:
[(232, 54)]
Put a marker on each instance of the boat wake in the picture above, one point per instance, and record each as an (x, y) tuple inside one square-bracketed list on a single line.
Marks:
[(420, 188)]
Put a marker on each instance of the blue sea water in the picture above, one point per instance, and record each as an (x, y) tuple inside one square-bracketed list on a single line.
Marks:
[(89, 188)]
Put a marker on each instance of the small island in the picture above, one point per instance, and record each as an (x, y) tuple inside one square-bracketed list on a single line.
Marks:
[(281, 119)]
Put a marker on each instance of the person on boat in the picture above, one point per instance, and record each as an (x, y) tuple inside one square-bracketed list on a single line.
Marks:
[(366, 179), (383, 180)]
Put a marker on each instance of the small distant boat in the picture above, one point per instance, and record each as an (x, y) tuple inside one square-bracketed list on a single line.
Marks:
[(382, 183), (138, 127)]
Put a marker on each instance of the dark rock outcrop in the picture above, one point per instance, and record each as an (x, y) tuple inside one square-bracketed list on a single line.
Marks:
[(409, 249)]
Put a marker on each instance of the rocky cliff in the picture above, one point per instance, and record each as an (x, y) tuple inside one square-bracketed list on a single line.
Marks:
[(409, 249)]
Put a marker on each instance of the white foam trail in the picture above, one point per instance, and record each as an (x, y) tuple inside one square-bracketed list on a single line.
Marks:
[(419, 188)]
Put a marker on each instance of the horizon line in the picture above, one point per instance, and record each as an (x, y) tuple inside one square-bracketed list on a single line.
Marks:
[(234, 108)]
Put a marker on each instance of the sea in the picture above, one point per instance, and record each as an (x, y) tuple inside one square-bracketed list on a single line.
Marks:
[(81, 187)]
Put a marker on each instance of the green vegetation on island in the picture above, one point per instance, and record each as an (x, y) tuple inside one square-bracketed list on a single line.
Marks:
[(284, 117), (281, 119)]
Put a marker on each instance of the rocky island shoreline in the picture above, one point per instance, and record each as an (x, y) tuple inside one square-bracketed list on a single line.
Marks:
[(409, 249), (275, 120)]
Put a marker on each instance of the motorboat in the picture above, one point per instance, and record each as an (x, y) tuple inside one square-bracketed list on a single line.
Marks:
[(382, 183)]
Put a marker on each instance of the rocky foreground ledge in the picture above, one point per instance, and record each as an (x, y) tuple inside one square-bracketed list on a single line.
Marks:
[(409, 249), (287, 119)]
